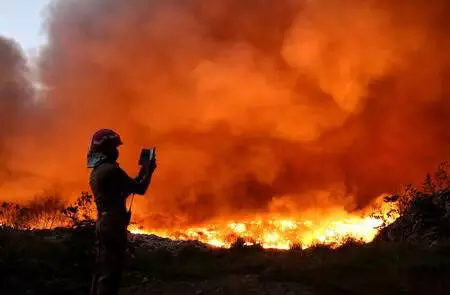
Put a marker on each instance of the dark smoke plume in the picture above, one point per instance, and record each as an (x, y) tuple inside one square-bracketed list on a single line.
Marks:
[(16, 94)]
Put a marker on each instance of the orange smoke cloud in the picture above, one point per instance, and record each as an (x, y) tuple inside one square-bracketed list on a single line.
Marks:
[(254, 105)]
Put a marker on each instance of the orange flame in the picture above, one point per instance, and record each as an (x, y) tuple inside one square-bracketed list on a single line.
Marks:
[(270, 230), (283, 233)]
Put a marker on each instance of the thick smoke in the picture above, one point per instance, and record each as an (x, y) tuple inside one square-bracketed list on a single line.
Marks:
[(16, 94), (254, 105)]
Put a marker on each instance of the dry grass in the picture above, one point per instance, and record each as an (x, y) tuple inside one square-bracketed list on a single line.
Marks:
[(47, 212)]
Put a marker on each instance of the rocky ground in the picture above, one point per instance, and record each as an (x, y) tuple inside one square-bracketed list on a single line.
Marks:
[(233, 284), (223, 284)]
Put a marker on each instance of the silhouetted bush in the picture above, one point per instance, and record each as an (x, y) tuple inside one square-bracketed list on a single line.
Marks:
[(296, 247), (45, 211), (350, 242), (82, 211), (433, 183), (240, 244)]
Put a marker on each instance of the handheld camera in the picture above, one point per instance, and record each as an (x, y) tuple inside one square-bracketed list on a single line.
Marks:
[(147, 155)]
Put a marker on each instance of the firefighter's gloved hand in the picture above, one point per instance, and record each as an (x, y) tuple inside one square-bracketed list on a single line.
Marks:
[(150, 166)]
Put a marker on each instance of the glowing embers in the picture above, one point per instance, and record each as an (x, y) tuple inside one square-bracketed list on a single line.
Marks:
[(333, 229)]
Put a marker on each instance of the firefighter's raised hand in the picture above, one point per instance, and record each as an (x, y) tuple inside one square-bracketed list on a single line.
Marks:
[(150, 166)]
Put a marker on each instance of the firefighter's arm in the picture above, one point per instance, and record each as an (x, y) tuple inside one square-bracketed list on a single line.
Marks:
[(145, 177), (140, 184)]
